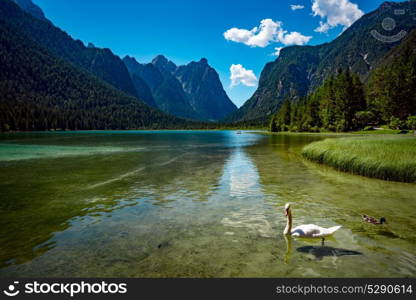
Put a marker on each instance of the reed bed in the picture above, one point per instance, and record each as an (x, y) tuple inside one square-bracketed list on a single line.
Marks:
[(388, 158)]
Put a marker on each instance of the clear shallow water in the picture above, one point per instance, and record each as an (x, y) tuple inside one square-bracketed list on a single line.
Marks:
[(191, 204)]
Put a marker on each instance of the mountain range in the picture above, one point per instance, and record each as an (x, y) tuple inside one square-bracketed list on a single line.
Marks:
[(50, 81), (124, 93), (168, 96), (299, 70), (40, 91), (192, 91), (100, 62)]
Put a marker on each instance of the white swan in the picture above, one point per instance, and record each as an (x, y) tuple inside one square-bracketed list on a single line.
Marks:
[(310, 230)]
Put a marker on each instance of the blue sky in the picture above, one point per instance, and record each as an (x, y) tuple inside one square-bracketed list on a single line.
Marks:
[(186, 30)]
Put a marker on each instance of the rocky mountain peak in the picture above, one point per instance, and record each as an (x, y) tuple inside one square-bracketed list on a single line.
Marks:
[(162, 63), (160, 59), (204, 61)]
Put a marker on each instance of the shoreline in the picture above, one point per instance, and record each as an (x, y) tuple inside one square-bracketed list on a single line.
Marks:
[(135, 130), (346, 134)]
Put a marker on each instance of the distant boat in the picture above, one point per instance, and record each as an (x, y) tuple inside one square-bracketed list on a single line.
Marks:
[(239, 132)]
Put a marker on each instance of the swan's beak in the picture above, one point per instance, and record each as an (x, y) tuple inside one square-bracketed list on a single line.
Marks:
[(286, 213)]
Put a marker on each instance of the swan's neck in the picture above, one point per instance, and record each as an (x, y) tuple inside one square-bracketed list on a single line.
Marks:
[(288, 228)]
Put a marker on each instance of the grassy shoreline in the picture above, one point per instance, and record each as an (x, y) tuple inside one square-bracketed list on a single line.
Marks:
[(384, 157)]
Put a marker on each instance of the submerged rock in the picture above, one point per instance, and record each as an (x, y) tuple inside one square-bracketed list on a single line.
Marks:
[(163, 245)]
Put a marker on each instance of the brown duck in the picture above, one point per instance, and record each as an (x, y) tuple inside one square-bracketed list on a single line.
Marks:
[(374, 221)]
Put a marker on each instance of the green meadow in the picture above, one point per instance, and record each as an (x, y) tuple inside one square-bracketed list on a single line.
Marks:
[(385, 157)]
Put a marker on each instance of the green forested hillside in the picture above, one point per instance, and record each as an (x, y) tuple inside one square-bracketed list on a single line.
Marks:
[(332, 107), (343, 103), (39, 91), (101, 62), (391, 89), (300, 70)]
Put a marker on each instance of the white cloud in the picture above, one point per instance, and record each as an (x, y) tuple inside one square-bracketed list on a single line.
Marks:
[(335, 13), (293, 38), (257, 37), (296, 7), (323, 27), (277, 51), (240, 75), (269, 31)]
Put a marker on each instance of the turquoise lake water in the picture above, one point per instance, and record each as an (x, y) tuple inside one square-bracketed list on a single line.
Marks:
[(191, 204)]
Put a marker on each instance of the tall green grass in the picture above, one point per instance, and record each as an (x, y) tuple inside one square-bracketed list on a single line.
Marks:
[(388, 158)]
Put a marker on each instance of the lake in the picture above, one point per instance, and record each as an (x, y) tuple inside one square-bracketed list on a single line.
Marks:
[(191, 204)]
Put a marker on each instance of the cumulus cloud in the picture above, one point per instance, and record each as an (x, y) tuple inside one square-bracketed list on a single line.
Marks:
[(293, 38), (323, 27), (269, 31), (240, 75), (257, 37), (335, 13), (296, 7), (277, 51)]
